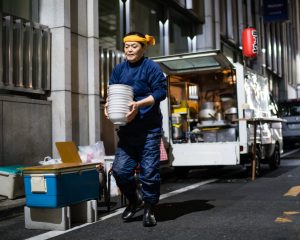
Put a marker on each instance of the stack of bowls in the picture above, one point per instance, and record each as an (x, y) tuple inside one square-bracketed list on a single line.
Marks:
[(119, 96)]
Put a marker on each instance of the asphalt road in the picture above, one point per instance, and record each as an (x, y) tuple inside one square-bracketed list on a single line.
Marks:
[(208, 204)]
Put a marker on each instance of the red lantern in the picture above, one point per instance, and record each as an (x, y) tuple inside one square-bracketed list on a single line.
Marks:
[(249, 42)]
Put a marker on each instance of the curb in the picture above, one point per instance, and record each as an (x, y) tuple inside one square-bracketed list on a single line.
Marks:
[(11, 208)]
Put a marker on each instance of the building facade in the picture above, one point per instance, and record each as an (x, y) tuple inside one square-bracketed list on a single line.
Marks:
[(72, 46)]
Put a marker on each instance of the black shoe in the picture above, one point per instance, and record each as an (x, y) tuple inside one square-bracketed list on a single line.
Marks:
[(131, 209), (149, 218)]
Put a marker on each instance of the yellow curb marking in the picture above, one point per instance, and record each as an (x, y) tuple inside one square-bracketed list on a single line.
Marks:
[(291, 212), (287, 215), (282, 220), (294, 191)]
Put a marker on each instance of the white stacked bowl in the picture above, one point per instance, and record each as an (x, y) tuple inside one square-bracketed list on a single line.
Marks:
[(119, 96)]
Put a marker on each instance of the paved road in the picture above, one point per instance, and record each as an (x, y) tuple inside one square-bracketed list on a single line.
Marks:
[(202, 206)]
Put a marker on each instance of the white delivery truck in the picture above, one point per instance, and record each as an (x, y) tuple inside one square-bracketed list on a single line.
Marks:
[(214, 111)]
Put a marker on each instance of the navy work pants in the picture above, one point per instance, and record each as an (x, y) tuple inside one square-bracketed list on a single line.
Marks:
[(142, 150)]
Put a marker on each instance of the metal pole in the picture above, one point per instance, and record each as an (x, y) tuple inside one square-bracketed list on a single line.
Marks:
[(254, 152)]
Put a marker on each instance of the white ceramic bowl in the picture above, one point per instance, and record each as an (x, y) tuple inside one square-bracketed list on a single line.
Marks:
[(119, 97), (124, 111), (118, 106), (118, 101), (120, 89), (117, 118), (120, 86)]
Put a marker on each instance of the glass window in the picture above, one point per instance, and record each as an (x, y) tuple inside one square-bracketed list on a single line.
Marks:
[(109, 24), (151, 14), (26, 9), (229, 20), (235, 25), (289, 108), (180, 29), (223, 21)]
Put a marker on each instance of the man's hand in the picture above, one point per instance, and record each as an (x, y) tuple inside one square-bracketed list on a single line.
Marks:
[(134, 109)]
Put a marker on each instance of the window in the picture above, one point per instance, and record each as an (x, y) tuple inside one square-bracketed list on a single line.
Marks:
[(229, 25), (150, 13), (180, 29), (289, 108), (109, 24), (26, 9)]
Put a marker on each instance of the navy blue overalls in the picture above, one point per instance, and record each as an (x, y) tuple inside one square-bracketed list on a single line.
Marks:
[(142, 149)]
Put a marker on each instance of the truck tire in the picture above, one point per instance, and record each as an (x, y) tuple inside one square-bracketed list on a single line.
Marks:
[(274, 161)]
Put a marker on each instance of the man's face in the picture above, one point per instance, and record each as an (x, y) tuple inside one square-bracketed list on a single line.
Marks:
[(134, 51)]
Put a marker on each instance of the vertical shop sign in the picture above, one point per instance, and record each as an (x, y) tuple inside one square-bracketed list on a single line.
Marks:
[(275, 10)]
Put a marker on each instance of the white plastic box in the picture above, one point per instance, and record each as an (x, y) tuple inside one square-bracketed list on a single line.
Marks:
[(60, 218), (12, 184)]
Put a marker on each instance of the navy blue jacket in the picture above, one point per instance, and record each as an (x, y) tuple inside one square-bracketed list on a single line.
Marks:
[(146, 78)]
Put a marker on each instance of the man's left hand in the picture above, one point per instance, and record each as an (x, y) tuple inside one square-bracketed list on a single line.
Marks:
[(134, 109)]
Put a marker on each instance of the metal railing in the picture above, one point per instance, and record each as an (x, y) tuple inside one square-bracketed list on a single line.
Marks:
[(25, 55)]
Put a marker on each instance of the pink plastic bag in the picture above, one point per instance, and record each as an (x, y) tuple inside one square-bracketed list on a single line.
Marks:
[(93, 153)]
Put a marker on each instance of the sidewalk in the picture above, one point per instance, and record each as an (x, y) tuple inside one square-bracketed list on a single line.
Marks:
[(10, 208)]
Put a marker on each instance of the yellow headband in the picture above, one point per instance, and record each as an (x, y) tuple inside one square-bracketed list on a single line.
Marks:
[(147, 40)]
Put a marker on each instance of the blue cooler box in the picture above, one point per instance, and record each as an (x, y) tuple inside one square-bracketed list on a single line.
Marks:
[(60, 185)]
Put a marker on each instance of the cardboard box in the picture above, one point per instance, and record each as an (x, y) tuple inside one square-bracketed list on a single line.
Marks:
[(60, 185), (12, 185)]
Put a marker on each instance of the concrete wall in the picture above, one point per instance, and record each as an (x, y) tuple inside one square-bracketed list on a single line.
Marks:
[(25, 130), (74, 70)]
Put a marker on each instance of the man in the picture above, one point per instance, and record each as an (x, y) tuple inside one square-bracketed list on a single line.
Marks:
[(139, 139)]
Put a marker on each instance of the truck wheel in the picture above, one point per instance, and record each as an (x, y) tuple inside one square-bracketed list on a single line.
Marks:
[(274, 161)]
